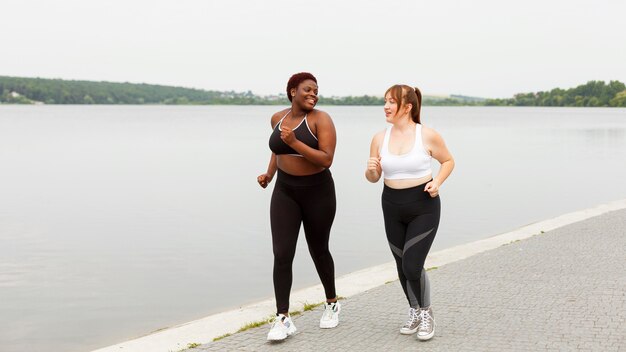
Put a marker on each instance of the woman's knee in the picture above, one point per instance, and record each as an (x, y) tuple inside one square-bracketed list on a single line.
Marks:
[(411, 270), (283, 256), (321, 255)]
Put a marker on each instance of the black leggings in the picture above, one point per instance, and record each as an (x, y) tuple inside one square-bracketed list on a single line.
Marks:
[(411, 222), (308, 200)]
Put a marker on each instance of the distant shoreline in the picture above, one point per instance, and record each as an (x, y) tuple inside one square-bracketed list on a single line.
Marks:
[(20, 90), (286, 105)]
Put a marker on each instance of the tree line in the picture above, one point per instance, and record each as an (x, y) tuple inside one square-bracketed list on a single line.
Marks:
[(591, 94), (19, 90)]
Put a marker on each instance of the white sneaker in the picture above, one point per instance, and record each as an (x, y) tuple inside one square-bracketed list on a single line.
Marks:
[(426, 328), (410, 327), (330, 317), (281, 328)]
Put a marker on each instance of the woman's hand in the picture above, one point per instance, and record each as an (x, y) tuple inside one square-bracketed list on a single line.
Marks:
[(374, 167), (287, 135), (264, 179), (373, 164), (432, 188)]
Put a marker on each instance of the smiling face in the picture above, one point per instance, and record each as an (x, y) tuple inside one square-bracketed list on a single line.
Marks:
[(396, 108), (305, 94), (391, 107)]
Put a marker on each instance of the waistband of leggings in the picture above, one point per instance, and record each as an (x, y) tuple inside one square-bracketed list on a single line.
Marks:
[(308, 180), (406, 194)]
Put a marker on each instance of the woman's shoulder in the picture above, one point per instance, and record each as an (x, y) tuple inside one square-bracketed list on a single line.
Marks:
[(318, 115), (320, 119), (279, 115), (377, 142), (379, 136), (430, 134)]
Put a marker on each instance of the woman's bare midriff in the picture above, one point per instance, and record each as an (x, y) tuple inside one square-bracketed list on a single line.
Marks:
[(407, 182), (297, 165)]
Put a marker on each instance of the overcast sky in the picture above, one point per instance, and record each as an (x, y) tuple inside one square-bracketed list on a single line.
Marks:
[(485, 48)]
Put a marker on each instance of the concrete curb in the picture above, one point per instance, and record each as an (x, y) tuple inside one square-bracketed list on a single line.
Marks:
[(205, 329)]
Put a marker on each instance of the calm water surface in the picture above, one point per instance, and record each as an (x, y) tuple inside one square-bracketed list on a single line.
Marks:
[(116, 221)]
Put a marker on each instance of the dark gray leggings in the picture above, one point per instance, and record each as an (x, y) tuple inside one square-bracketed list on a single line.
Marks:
[(310, 201), (411, 222)]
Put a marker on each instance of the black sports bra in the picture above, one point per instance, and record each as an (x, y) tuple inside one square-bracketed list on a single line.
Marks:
[(303, 134)]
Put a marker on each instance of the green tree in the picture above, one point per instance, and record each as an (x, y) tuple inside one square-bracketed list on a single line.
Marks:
[(619, 100)]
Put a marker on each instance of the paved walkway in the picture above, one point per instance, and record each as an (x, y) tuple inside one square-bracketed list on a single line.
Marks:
[(563, 290)]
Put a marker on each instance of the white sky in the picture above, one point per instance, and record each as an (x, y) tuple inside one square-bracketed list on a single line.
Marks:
[(486, 48)]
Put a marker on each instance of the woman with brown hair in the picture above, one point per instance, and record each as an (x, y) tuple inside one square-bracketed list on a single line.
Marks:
[(402, 154)]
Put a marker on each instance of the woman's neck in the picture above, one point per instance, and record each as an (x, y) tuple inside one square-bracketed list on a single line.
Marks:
[(297, 112), (404, 124)]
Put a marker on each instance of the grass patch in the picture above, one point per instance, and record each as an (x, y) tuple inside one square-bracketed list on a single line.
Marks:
[(255, 324), (311, 306), (193, 345), (388, 282), (295, 313), (432, 268), (221, 337)]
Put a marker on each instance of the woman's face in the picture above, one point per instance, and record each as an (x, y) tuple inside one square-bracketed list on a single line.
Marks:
[(391, 107), (306, 94)]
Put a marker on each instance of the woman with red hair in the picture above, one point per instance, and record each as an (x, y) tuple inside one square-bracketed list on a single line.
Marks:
[(303, 146)]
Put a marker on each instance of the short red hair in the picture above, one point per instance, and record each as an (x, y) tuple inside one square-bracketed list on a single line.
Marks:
[(296, 79)]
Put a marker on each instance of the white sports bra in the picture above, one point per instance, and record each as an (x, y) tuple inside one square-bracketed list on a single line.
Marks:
[(414, 164)]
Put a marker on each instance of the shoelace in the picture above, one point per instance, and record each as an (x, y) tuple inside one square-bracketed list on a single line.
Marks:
[(413, 316), (328, 311), (280, 321), (425, 323)]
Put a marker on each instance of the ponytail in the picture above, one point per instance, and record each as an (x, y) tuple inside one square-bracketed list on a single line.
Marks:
[(416, 116)]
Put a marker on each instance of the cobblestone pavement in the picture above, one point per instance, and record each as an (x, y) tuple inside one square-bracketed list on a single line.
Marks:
[(563, 290)]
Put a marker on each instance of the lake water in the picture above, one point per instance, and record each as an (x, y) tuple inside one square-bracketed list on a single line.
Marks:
[(116, 221)]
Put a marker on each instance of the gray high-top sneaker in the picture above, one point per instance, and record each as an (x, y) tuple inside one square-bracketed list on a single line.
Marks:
[(426, 328), (410, 327)]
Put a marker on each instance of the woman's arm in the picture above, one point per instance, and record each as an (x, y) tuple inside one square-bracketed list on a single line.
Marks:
[(266, 178), (326, 139), (374, 169), (440, 152)]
